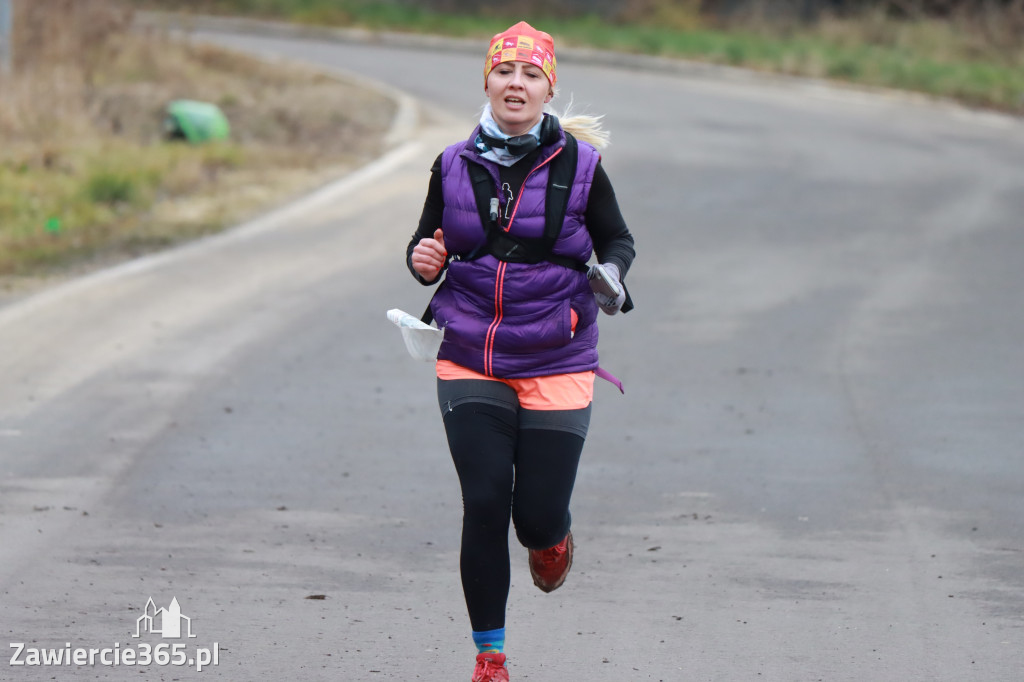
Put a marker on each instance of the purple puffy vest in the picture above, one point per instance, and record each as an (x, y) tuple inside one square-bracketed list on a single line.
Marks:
[(514, 320)]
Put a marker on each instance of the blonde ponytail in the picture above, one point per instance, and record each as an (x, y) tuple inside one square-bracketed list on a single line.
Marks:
[(584, 127)]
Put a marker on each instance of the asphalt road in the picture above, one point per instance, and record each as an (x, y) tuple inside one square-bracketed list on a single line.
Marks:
[(815, 472)]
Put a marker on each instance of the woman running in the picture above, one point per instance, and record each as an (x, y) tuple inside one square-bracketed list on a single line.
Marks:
[(512, 216)]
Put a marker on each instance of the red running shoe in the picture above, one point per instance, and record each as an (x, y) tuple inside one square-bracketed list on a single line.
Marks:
[(490, 667), (549, 567)]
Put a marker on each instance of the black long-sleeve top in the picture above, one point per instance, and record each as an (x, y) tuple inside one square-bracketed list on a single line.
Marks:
[(612, 240)]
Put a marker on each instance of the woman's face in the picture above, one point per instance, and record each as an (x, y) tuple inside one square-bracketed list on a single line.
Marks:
[(517, 92)]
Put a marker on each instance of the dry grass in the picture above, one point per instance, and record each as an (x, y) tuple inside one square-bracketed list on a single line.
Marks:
[(86, 173)]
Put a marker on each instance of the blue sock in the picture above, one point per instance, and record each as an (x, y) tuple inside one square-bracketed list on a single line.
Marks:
[(490, 640)]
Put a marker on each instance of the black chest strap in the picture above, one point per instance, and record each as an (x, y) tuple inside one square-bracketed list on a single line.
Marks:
[(510, 248), (513, 249)]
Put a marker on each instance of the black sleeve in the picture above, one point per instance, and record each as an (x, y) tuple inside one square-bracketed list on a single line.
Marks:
[(613, 242), (430, 219)]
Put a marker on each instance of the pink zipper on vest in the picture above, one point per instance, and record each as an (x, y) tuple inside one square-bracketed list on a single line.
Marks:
[(499, 280)]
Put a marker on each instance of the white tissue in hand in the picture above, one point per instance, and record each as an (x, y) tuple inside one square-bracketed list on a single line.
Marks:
[(421, 340)]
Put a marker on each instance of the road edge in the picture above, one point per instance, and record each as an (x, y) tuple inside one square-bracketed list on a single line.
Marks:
[(666, 65)]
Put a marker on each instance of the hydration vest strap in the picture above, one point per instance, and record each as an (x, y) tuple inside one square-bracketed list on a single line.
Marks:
[(512, 249), (560, 177), (483, 191), (608, 376)]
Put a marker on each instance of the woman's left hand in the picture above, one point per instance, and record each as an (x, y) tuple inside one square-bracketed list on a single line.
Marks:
[(609, 302)]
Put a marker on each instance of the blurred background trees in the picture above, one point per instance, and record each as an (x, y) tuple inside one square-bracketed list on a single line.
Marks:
[(48, 32), (999, 21)]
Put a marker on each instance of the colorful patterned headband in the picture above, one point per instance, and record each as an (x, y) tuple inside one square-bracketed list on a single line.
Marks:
[(522, 43)]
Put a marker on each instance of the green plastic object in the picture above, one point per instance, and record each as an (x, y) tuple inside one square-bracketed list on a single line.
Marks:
[(196, 121)]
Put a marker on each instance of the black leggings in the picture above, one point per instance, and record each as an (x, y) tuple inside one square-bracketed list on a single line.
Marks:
[(514, 465)]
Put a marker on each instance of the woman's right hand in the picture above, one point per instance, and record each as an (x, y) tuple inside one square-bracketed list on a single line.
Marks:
[(429, 255)]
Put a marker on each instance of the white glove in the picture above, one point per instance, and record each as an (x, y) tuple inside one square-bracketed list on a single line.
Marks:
[(608, 291)]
